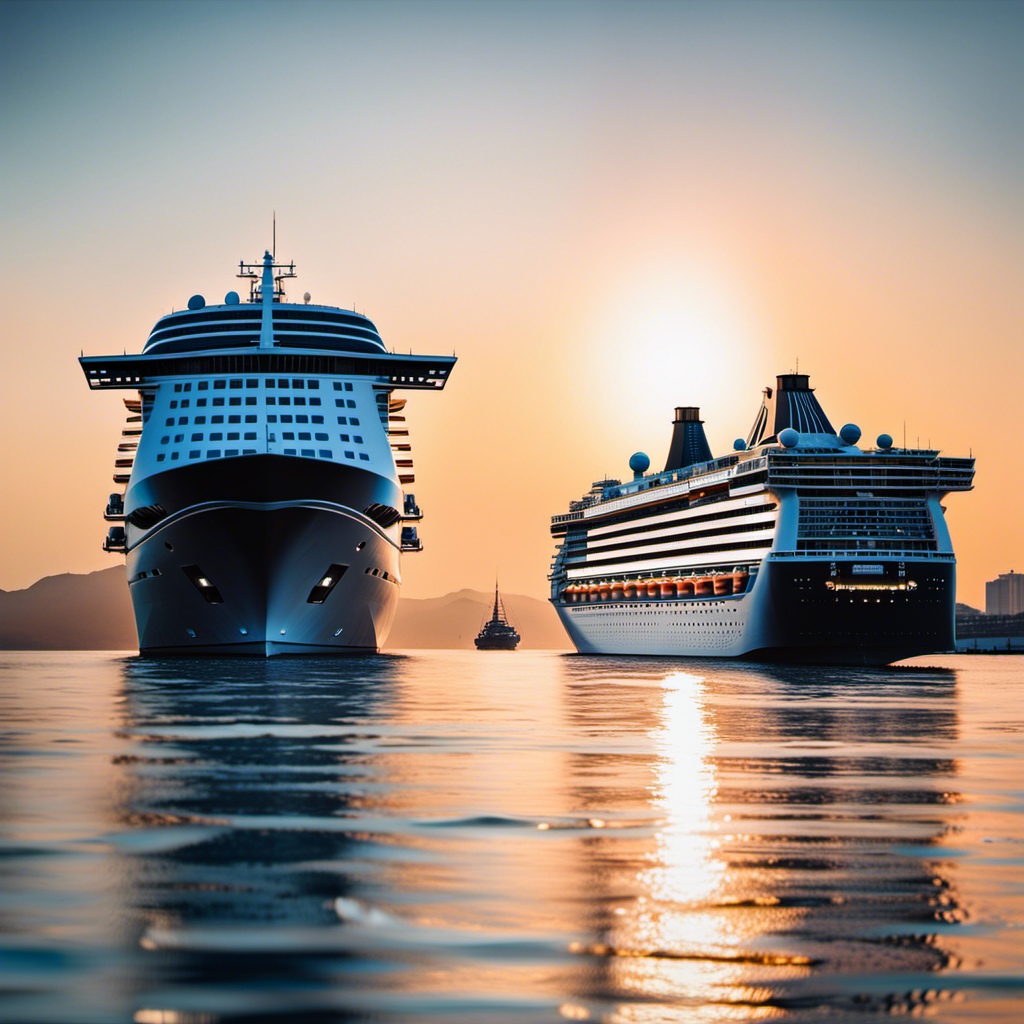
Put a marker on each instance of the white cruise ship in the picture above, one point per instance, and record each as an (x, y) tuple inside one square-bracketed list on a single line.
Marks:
[(797, 546), (264, 461)]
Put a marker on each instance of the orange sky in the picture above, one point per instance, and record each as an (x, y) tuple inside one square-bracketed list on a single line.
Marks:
[(606, 211)]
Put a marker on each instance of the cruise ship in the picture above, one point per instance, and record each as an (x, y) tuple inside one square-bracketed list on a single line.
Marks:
[(797, 546), (265, 467)]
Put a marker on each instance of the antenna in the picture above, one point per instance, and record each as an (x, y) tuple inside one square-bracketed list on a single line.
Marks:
[(273, 251), (797, 364)]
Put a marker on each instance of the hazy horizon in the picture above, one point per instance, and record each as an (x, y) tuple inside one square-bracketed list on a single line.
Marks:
[(605, 210)]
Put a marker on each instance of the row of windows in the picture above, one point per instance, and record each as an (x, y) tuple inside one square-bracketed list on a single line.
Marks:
[(272, 418), (254, 382), (252, 400), (215, 453), (183, 420), (250, 435), (658, 542)]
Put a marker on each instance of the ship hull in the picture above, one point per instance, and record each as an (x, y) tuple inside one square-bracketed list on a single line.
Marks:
[(811, 611), (495, 644), (263, 559)]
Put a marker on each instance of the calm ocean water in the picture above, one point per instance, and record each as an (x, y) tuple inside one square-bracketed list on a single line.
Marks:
[(527, 837)]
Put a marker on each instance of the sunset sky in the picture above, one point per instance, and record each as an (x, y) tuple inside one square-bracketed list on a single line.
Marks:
[(605, 210)]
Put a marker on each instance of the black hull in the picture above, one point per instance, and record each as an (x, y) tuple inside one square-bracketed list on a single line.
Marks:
[(826, 613), (265, 530)]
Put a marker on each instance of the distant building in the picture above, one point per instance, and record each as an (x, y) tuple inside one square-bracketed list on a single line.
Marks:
[(1005, 595)]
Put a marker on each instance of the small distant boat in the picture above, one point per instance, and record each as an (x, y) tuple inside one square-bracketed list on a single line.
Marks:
[(498, 633)]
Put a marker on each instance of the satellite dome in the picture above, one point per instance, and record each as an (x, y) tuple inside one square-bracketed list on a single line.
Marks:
[(850, 433), (788, 437), (639, 463), (196, 302), (231, 299), (884, 441), (306, 297), (739, 445)]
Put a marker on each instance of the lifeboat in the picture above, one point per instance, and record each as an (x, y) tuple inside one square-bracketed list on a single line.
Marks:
[(594, 592), (684, 587), (722, 585), (739, 582), (703, 586), (667, 588), (653, 589), (617, 589), (604, 591), (629, 590)]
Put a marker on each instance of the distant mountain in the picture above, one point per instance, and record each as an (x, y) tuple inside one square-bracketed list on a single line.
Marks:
[(93, 612), (90, 612)]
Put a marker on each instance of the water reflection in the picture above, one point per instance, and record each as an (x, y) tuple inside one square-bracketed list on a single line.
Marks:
[(796, 817), (446, 836), (234, 805)]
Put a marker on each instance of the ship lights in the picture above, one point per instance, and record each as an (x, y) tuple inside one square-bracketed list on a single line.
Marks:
[(833, 585), (203, 584), (326, 583)]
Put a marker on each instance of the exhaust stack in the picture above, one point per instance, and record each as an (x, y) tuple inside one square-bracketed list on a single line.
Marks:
[(689, 445)]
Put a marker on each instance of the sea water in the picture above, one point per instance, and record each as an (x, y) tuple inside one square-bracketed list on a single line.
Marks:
[(509, 837)]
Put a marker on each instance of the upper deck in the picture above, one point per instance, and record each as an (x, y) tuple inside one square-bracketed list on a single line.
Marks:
[(872, 472), (265, 335), (238, 325)]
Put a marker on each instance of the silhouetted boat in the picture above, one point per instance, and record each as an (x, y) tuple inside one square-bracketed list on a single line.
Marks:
[(498, 633)]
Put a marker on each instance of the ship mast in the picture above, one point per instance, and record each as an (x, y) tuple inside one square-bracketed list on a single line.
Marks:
[(494, 618)]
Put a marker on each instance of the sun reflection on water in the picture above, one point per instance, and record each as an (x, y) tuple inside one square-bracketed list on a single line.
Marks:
[(677, 946)]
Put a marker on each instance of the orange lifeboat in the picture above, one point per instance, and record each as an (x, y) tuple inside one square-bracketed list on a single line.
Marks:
[(604, 591), (722, 585), (667, 588), (617, 589), (739, 582), (593, 592), (703, 586), (653, 589), (629, 590), (684, 587)]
